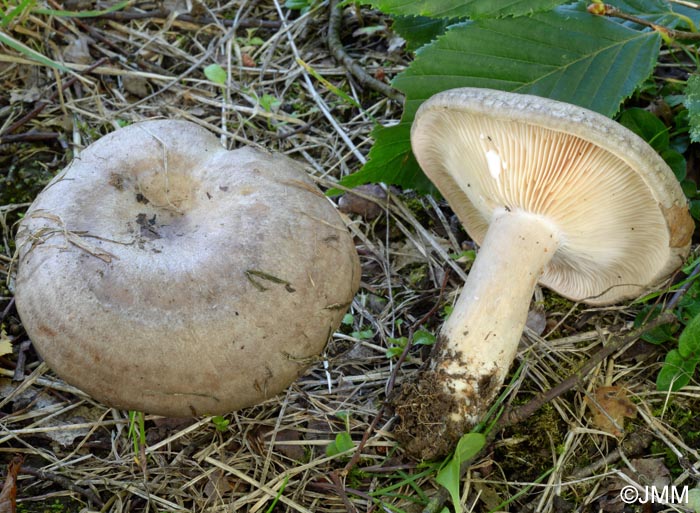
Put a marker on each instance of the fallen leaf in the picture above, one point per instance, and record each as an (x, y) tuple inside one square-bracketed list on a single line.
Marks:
[(350, 203), (8, 495), (609, 408), (5, 344), (78, 50)]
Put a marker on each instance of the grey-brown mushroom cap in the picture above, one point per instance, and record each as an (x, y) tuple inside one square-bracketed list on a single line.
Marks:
[(160, 272), (623, 218)]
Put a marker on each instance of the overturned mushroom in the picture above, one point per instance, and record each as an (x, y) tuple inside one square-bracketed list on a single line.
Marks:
[(552, 193), (161, 272)]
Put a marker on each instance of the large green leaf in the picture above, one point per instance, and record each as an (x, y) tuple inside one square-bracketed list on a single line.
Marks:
[(465, 8), (565, 54), (419, 30)]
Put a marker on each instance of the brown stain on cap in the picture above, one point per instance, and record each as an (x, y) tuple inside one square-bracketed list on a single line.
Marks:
[(680, 225)]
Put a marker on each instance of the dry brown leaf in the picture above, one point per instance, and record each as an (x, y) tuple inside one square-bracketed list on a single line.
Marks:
[(609, 408), (8, 495), (5, 344)]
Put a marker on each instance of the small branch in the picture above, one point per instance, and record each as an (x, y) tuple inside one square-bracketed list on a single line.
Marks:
[(338, 51), (7, 309), (64, 482), (340, 490), (164, 14), (30, 136), (666, 33)]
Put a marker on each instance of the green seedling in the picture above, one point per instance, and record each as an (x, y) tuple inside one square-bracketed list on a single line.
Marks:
[(449, 475), (420, 338), (220, 423), (137, 433), (216, 74), (365, 334), (343, 441)]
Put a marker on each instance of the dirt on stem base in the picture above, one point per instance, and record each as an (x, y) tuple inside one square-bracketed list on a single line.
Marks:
[(433, 415)]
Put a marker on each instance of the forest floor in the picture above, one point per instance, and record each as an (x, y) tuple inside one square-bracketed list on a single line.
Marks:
[(326, 444)]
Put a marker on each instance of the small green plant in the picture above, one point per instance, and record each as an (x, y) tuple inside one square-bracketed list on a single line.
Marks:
[(343, 441), (220, 423), (269, 102), (216, 74), (137, 433), (681, 361), (363, 334), (420, 338), (449, 475)]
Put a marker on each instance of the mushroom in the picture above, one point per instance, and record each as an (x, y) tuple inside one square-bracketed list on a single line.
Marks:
[(553, 193), (160, 272)]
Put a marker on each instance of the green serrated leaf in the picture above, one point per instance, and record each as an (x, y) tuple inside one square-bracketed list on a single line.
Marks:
[(464, 9), (216, 74), (391, 161), (692, 103), (419, 30), (566, 54)]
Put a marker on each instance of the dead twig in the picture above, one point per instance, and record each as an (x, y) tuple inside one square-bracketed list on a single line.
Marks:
[(339, 53), (614, 12), (64, 482), (163, 14)]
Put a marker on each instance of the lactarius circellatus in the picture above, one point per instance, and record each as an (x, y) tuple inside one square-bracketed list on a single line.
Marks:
[(161, 272), (552, 193)]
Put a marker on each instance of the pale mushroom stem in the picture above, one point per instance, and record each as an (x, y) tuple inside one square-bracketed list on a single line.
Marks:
[(479, 341)]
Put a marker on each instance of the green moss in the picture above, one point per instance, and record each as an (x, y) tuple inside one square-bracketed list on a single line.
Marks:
[(531, 453), (21, 184), (62, 505)]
